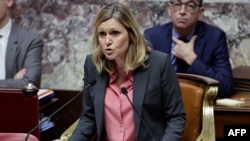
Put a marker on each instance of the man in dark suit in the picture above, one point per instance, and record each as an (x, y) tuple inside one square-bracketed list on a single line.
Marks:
[(194, 46), (20, 52)]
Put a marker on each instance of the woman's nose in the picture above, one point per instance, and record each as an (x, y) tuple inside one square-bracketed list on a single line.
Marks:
[(108, 40)]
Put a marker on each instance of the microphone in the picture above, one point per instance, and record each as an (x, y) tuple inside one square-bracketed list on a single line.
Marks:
[(125, 92), (91, 83)]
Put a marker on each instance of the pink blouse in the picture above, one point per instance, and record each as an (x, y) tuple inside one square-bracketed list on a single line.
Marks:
[(118, 113)]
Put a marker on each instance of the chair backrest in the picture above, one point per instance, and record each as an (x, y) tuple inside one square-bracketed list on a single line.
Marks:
[(19, 112), (198, 94)]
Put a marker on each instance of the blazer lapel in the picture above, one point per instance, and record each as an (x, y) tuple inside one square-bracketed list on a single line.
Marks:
[(166, 40), (200, 32), (169, 36), (140, 84), (199, 46), (12, 51), (99, 94)]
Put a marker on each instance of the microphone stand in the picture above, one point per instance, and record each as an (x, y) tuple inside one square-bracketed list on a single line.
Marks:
[(125, 92), (59, 109)]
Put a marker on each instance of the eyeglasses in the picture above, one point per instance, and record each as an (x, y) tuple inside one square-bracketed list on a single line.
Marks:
[(189, 6)]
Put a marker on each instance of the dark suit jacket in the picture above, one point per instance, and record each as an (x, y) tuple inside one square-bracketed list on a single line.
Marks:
[(156, 97), (210, 47), (24, 50)]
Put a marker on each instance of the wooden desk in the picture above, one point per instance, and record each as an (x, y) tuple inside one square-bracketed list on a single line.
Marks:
[(65, 117), (231, 115), (44, 105), (18, 112)]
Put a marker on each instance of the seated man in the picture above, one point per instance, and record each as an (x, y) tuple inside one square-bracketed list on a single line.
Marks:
[(20, 52), (203, 51)]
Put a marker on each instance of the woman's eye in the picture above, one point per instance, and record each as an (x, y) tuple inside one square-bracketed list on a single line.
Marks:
[(101, 34), (115, 33)]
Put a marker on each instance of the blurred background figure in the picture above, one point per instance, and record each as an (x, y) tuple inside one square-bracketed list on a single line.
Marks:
[(20, 52)]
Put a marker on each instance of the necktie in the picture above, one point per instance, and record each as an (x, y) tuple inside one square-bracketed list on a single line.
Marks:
[(176, 61), (173, 60), (183, 39)]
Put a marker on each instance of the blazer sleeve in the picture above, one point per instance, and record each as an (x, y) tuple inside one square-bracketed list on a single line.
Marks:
[(29, 56), (174, 113), (86, 126)]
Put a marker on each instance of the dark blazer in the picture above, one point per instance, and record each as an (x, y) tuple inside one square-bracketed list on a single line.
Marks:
[(211, 49), (156, 96), (24, 50)]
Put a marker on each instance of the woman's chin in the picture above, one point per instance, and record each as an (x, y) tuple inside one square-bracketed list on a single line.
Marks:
[(110, 58)]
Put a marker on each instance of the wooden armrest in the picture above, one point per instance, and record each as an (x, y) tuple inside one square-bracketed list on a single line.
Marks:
[(66, 134), (198, 78), (203, 91)]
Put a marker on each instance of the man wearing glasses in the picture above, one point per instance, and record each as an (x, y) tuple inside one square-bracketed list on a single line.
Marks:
[(194, 46)]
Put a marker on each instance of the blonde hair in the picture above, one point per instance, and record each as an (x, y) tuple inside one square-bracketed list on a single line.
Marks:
[(138, 49)]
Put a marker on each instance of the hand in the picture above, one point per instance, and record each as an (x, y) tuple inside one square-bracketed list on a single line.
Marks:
[(20, 74), (185, 51)]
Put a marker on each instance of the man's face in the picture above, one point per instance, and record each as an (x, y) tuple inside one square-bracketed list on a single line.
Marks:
[(185, 13)]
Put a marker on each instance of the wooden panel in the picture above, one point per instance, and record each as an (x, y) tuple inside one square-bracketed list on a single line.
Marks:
[(232, 115), (19, 113)]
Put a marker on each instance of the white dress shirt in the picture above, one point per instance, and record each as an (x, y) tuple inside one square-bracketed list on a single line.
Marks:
[(4, 36)]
